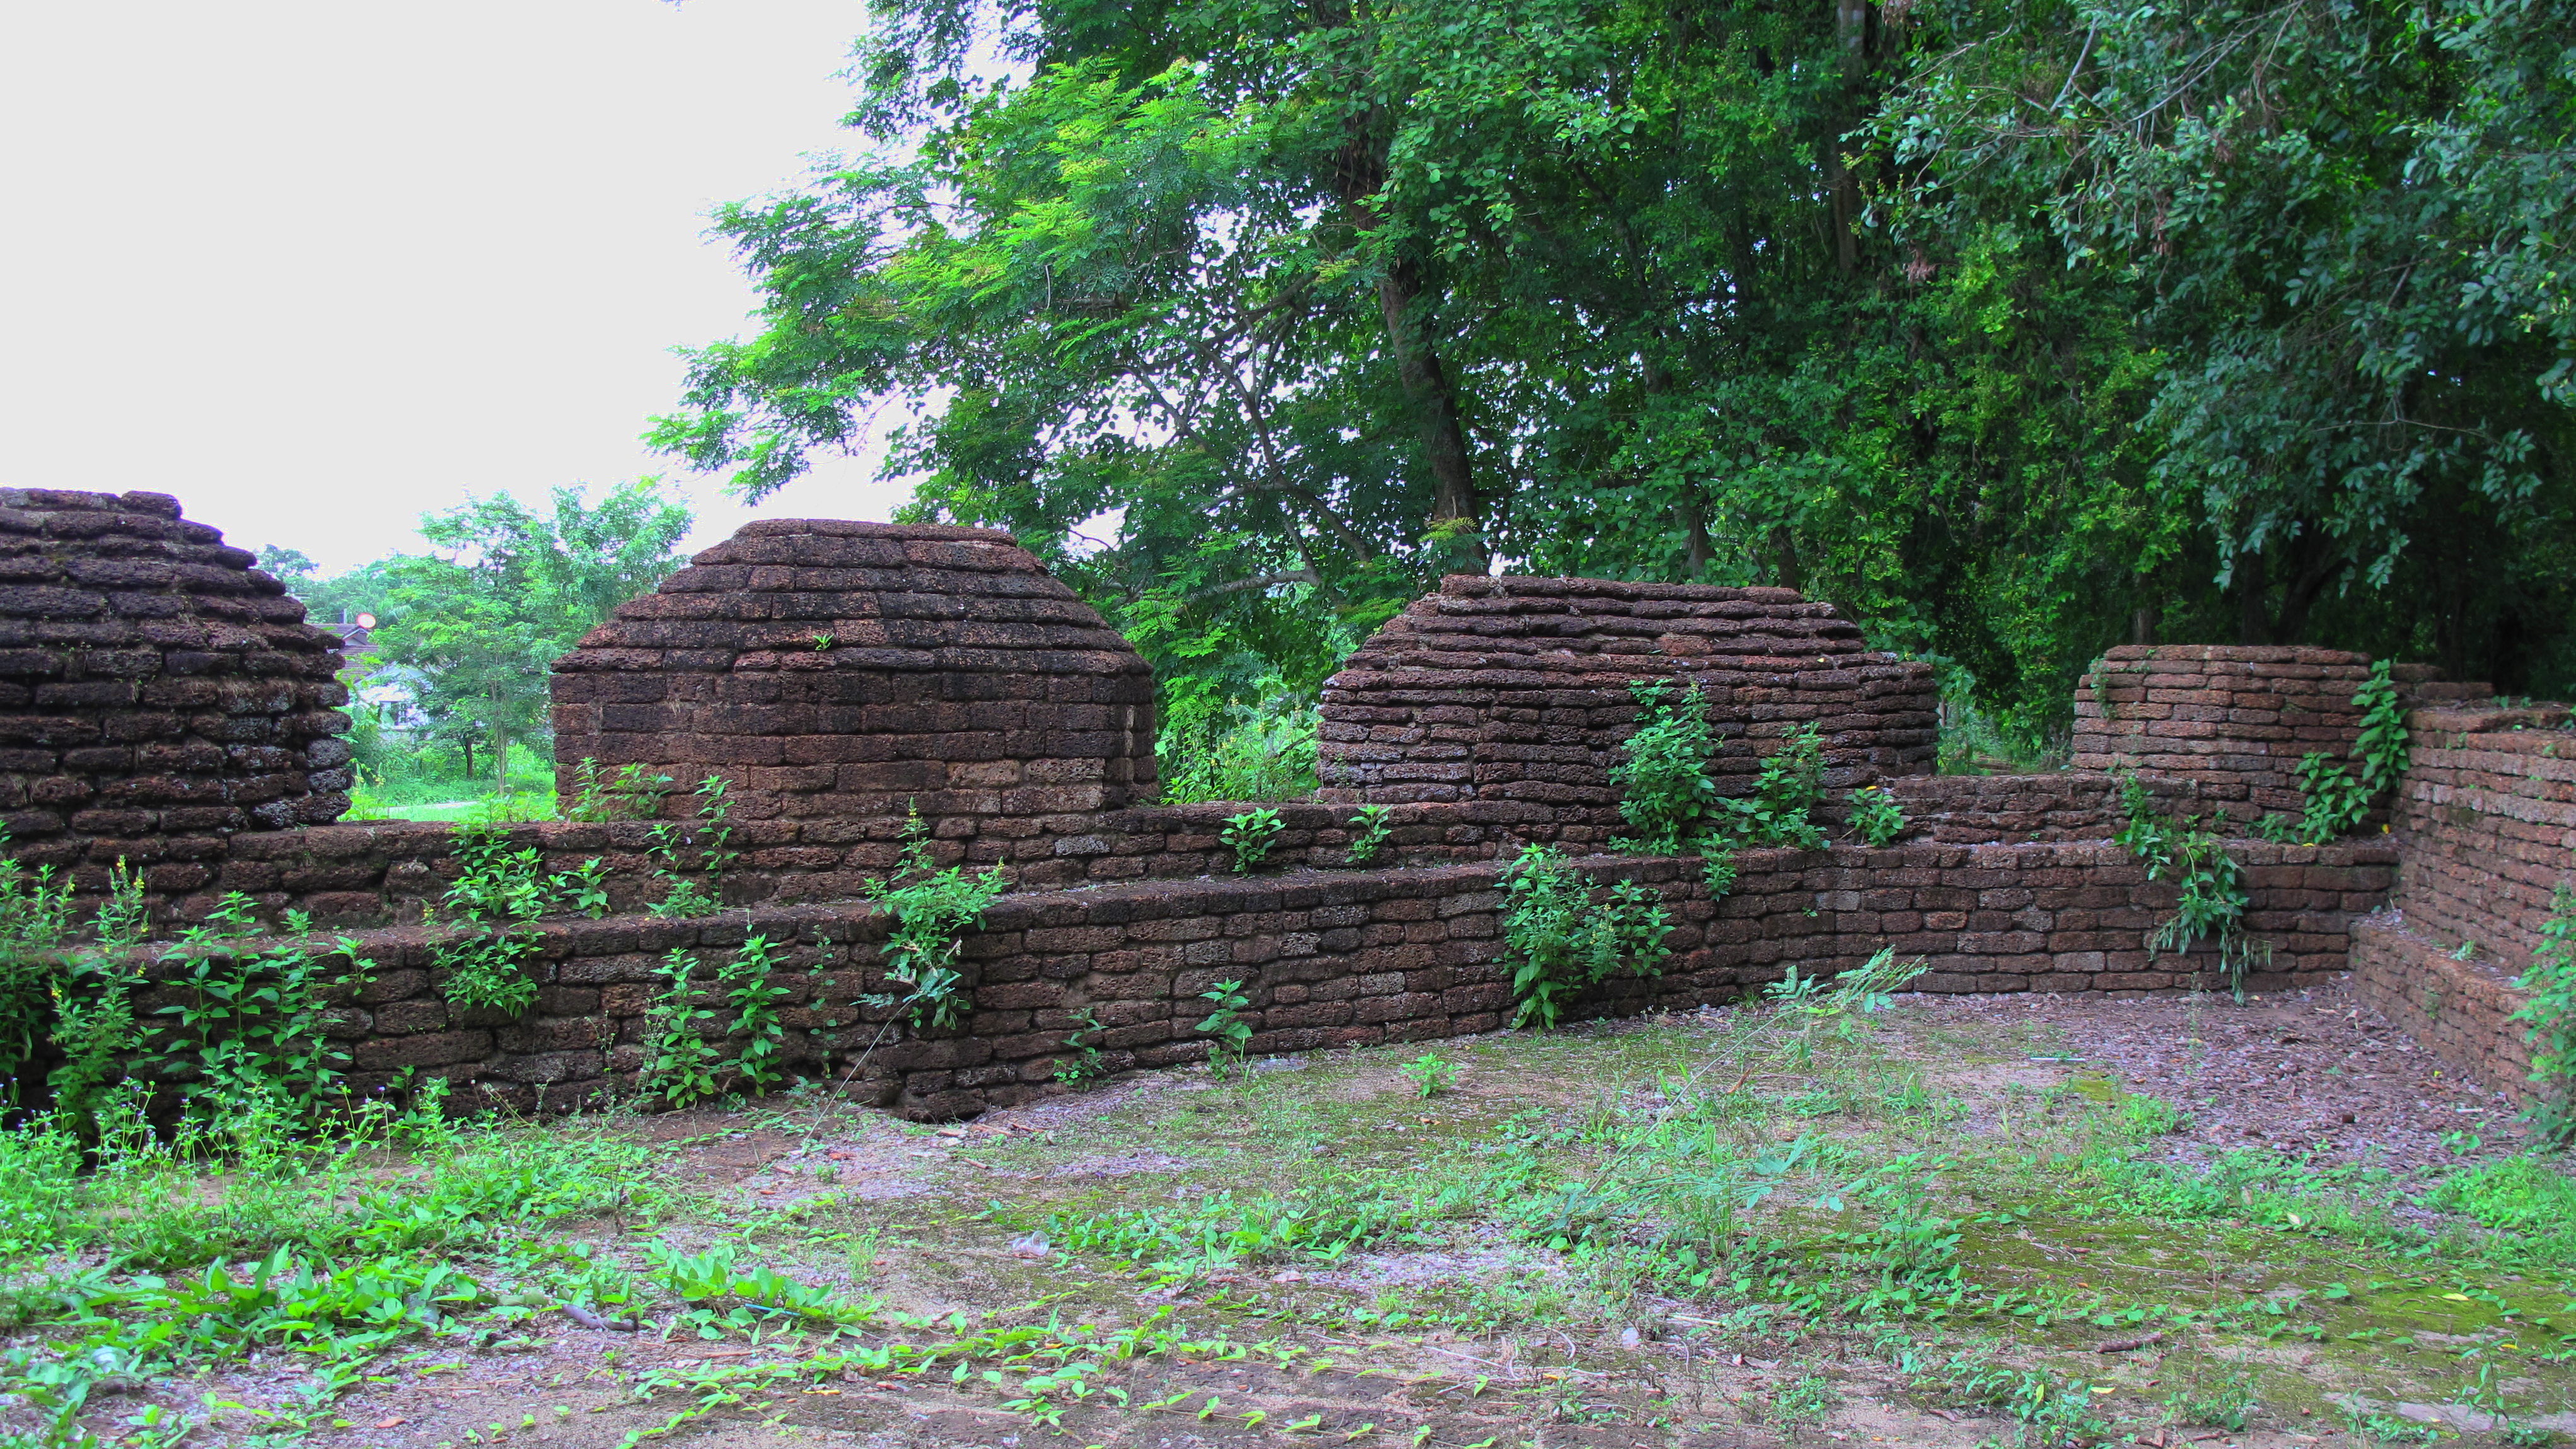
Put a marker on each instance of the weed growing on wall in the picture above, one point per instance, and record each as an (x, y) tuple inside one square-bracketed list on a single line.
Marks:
[(2549, 1019), (709, 839), (1791, 782), (681, 1069), (1561, 939), (1250, 836), (1229, 1035), (930, 911), (1876, 818), (2337, 798), (750, 985), (631, 792), (1081, 1062), (1666, 793), (252, 1026), (2212, 902), (1370, 830)]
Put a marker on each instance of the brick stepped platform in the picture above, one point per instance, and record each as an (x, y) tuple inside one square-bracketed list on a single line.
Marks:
[(1330, 959)]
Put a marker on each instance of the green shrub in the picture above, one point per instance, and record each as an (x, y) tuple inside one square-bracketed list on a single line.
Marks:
[(1876, 818), (931, 911), (1559, 938), (1254, 752), (1666, 793), (2549, 1019), (1250, 836)]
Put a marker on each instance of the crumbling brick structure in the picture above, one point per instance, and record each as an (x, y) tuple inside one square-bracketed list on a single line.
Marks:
[(1516, 689), (837, 673), (846, 672), (153, 685), (2486, 824)]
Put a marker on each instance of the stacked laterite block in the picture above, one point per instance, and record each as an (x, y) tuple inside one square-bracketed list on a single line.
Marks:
[(2486, 823), (1328, 959), (850, 672), (157, 692), (1517, 689), (2235, 718)]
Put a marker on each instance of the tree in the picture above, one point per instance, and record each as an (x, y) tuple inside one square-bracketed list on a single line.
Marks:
[(1832, 296), (505, 590)]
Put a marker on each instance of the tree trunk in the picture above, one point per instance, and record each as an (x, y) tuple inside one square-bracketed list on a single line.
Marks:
[(1359, 171), (1433, 401)]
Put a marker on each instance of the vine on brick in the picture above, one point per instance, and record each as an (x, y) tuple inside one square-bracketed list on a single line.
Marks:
[(2549, 1019), (2336, 798), (2212, 885)]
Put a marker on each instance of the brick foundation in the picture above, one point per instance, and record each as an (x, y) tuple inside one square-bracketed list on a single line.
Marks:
[(2458, 1010), (1333, 959)]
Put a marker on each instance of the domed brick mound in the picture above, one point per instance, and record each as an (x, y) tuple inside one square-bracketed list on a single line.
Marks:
[(153, 683), (1517, 689), (845, 671)]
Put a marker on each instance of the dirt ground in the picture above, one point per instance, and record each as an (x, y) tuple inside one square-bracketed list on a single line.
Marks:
[(1468, 1332)]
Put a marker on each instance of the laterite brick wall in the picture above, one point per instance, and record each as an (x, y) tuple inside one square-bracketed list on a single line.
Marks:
[(1516, 689), (1328, 960), (152, 682)]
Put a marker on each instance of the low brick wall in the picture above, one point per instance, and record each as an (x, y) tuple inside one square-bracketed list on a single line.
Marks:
[(2486, 819), (1331, 959), (2237, 718), (2458, 1010)]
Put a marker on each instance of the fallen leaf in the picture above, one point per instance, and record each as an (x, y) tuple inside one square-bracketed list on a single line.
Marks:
[(391, 1423)]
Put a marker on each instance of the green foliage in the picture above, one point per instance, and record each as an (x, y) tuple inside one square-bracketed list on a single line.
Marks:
[(1262, 751), (2212, 903), (2277, 828), (1561, 940), (1876, 818), (1791, 782), (709, 838), (250, 1032), (1666, 793), (1430, 1073), (749, 983), (1082, 1060), (2549, 1019), (633, 792), (1229, 1035), (1223, 1231), (497, 892), (1250, 836), (2336, 799), (682, 1066), (2222, 1403), (504, 590), (1370, 830), (2523, 1193), (929, 910)]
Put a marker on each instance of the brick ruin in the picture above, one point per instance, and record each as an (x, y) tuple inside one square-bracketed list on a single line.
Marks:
[(154, 686), (849, 672), (1516, 689), (952, 673)]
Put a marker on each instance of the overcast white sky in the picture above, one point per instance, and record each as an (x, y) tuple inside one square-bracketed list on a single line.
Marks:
[(318, 266)]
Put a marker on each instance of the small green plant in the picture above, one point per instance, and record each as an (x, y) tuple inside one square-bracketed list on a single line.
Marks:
[(1081, 1063), (2223, 1404), (823, 641), (1430, 1073), (1807, 1400), (2549, 1020), (1876, 818), (2338, 798), (1666, 793), (498, 891), (1250, 836), (1229, 1035), (710, 839), (929, 910), (248, 1035), (1561, 940), (2335, 800), (1791, 782), (1369, 832), (2277, 828), (681, 1069), (1717, 871), (634, 792), (2212, 901), (749, 984), (2466, 951)]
